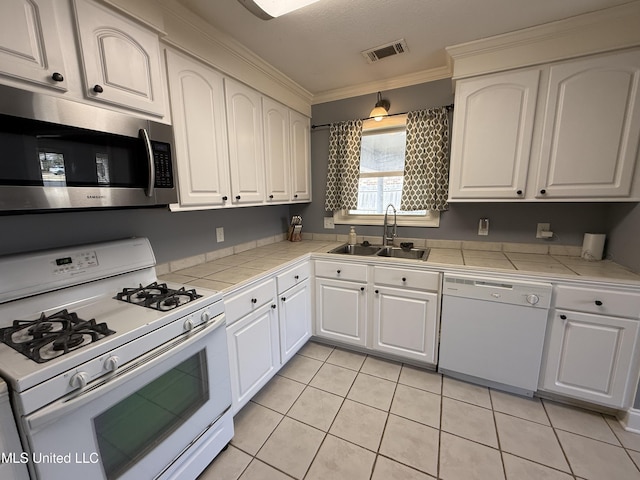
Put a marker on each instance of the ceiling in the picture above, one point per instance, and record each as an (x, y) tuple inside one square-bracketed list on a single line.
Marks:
[(319, 45)]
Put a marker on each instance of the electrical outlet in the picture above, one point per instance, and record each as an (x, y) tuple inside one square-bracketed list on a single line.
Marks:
[(483, 226), (220, 234), (329, 223), (544, 230)]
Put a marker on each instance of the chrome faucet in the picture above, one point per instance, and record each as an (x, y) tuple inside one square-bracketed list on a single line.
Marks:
[(385, 228)]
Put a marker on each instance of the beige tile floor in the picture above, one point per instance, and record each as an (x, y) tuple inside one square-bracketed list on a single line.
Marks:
[(332, 414)]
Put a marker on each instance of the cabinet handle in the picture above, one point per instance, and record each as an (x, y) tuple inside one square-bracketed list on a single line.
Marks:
[(238, 197), (519, 192), (295, 196), (254, 300), (563, 317), (273, 305), (270, 196), (543, 191), (362, 289), (225, 198), (57, 77), (284, 299), (296, 277), (404, 279), (599, 303), (338, 272), (377, 291), (98, 89)]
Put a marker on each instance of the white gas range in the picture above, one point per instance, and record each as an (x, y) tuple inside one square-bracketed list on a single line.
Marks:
[(112, 374)]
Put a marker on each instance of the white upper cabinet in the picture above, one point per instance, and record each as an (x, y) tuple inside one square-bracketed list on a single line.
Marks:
[(577, 142), (300, 157), (246, 150), (492, 132), (591, 127), (200, 130), (276, 150), (29, 44), (120, 59)]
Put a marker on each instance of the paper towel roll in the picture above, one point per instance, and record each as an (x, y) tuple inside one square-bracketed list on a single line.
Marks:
[(593, 246)]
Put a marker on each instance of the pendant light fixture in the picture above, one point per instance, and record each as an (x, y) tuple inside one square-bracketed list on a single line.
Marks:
[(381, 109), (268, 9)]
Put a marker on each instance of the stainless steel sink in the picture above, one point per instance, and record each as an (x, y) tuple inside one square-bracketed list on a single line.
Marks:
[(411, 253), (356, 249)]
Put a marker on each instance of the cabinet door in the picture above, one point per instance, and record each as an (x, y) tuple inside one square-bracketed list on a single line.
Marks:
[(295, 319), (246, 152), (590, 357), (413, 333), (300, 157), (120, 58), (341, 311), (492, 132), (591, 128), (29, 43), (200, 131), (276, 150), (254, 355)]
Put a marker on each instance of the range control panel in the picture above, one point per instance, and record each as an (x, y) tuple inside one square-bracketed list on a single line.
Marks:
[(75, 261)]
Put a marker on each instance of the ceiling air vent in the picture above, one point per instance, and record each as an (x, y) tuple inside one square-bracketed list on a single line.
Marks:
[(388, 50)]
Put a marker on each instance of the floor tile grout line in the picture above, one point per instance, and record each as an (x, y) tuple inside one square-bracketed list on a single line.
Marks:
[(440, 424), (558, 439), (495, 426)]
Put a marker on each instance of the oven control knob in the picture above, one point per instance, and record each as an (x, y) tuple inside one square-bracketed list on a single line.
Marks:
[(205, 317), (111, 363), (532, 299), (79, 380), (188, 325)]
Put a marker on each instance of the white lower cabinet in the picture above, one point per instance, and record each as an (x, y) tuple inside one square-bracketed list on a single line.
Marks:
[(405, 323), (590, 357), (341, 311), (254, 344), (295, 319)]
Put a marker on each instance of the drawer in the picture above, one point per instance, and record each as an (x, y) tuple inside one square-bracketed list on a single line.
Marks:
[(403, 277), (247, 300), (591, 300), (292, 277), (341, 271)]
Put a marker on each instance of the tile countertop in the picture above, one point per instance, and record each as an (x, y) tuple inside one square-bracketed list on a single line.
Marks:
[(226, 270)]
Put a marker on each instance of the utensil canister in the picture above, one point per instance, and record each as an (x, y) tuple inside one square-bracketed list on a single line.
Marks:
[(593, 246)]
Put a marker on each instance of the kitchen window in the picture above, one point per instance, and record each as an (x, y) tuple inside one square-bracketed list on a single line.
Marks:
[(382, 158)]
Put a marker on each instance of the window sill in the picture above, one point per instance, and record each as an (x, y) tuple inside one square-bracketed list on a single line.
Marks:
[(432, 220)]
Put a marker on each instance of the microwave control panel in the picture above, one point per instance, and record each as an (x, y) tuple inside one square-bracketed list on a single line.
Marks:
[(163, 164)]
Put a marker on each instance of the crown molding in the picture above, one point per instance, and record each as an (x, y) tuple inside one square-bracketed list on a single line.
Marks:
[(192, 35), (604, 30), (401, 81)]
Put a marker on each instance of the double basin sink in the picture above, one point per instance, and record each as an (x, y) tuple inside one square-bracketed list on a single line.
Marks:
[(383, 251)]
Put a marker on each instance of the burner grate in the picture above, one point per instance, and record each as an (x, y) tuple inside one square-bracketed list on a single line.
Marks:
[(157, 296), (51, 336)]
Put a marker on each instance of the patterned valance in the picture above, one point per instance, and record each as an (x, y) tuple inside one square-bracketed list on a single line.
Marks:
[(343, 166), (426, 164)]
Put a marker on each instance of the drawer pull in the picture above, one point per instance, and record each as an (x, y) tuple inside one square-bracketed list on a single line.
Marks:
[(97, 89), (404, 279), (563, 317), (296, 277), (57, 77), (599, 303), (284, 299), (254, 300), (338, 272), (543, 191), (273, 305), (519, 192), (377, 291), (362, 289), (238, 197), (225, 198)]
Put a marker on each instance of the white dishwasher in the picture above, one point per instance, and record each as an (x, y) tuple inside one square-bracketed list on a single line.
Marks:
[(492, 331)]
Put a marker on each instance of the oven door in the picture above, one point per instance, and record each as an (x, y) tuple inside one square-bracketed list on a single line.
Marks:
[(140, 421)]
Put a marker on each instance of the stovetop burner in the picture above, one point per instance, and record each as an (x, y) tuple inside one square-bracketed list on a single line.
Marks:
[(157, 296), (51, 336)]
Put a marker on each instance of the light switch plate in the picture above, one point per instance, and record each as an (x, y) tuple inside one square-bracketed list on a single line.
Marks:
[(220, 234), (329, 223)]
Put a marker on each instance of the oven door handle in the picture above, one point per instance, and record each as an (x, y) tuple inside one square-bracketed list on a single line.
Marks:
[(56, 410), (144, 135)]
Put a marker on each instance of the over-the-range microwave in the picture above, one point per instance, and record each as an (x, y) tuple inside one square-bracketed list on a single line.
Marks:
[(60, 154)]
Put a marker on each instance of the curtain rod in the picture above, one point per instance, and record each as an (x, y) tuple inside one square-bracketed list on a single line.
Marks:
[(448, 107)]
